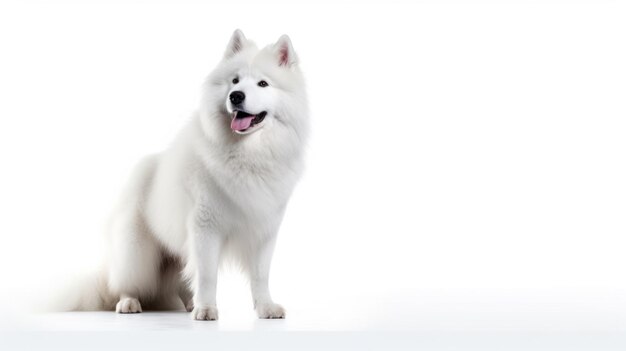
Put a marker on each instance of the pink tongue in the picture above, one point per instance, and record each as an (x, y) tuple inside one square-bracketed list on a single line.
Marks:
[(241, 123)]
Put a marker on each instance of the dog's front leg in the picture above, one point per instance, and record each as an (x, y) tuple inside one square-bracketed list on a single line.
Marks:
[(205, 251), (259, 281)]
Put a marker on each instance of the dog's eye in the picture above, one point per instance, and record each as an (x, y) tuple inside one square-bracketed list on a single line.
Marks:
[(236, 80), (263, 84)]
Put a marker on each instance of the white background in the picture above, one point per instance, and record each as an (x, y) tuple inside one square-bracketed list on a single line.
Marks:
[(467, 169)]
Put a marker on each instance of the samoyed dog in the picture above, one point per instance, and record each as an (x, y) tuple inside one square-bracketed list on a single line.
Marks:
[(217, 193)]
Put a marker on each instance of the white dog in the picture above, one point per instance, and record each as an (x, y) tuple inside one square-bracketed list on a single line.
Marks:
[(219, 191)]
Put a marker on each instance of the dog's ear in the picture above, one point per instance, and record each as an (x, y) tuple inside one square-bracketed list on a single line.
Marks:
[(284, 51), (236, 43)]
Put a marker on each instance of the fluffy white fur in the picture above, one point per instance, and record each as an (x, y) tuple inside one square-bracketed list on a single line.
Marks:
[(214, 194)]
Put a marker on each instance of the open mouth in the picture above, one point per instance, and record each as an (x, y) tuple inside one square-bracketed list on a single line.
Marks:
[(243, 121)]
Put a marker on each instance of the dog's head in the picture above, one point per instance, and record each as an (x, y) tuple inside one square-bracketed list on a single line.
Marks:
[(254, 90)]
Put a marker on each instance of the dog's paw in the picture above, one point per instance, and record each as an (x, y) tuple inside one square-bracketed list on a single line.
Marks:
[(270, 311), (204, 313), (128, 305)]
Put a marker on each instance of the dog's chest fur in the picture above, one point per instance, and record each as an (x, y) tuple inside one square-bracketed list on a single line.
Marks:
[(248, 190)]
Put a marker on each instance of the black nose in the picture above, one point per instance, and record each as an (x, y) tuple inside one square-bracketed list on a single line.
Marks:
[(237, 97)]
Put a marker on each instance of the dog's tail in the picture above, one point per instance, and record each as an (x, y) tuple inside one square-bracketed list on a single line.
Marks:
[(86, 293)]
